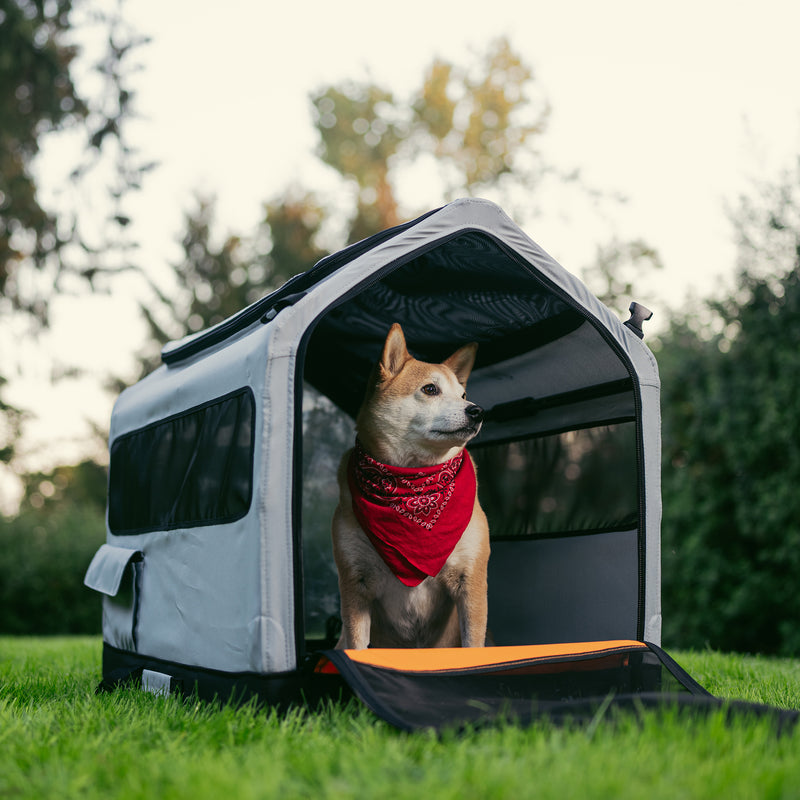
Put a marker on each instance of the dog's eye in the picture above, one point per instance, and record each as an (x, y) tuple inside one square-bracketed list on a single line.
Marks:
[(430, 389), (464, 396)]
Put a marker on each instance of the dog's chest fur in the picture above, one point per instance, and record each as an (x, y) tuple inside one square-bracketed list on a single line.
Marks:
[(403, 616), (419, 615)]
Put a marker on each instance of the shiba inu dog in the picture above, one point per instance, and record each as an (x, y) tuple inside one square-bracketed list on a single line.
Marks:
[(410, 540)]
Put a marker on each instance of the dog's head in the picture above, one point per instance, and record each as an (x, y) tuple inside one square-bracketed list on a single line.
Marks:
[(417, 413)]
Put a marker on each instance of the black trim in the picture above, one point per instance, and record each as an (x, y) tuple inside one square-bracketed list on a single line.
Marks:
[(297, 501), (530, 406), (624, 527), (285, 689), (678, 671)]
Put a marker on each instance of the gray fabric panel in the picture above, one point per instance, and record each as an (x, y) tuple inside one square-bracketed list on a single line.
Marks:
[(200, 601), (109, 573), (651, 435), (577, 360), (579, 588), (107, 568)]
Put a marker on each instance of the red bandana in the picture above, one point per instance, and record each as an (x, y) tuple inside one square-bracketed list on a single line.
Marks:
[(414, 516)]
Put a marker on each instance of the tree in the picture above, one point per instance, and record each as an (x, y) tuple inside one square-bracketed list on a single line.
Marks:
[(731, 454), (618, 265), (81, 485), (213, 282), (476, 129), (41, 248), (45, 550), (37, 96)]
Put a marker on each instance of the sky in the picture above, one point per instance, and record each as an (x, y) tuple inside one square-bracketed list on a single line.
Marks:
[(678, 107)]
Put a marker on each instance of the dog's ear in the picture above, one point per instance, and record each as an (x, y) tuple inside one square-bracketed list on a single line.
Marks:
[(395, 353), (461, 362)]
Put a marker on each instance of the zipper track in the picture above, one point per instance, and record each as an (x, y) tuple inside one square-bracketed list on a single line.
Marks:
[(615, 346)]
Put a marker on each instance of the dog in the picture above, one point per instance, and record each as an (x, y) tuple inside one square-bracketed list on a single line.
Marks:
[(410, 539)]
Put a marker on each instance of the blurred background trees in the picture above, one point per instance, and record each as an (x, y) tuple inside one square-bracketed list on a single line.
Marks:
[(43, 548), (731, 444), (729, 366), (37, 96), (475, 128), (42, 251)]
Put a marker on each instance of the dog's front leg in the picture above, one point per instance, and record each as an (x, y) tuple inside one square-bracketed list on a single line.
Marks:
[(473, 612), (355, 620)]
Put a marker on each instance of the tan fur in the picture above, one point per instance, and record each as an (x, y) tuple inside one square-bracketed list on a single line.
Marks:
[(400, 425)]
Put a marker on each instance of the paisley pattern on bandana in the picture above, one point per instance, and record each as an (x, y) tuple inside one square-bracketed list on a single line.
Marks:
[(420, 494), (414, 516)]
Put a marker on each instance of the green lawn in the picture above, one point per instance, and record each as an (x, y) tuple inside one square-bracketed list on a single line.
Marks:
[(59, 739)]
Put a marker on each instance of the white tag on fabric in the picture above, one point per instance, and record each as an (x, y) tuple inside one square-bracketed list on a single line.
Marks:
[(156, 682)]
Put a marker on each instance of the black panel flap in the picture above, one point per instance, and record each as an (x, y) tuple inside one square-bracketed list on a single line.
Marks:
[(448, 687)]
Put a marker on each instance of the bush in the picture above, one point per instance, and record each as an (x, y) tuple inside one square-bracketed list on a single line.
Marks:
[(731, 532), (43, 558)]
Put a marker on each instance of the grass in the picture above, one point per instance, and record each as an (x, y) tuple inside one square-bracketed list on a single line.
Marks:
[(59, 739)]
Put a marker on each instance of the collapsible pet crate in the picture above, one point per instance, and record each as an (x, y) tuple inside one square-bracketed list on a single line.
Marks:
[(217, 572)]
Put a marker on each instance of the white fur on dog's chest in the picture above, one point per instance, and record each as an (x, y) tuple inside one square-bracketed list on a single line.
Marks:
[(411, 605), (414, 601)]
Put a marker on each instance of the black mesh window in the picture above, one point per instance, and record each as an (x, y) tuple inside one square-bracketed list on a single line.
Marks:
[(195, 468), (581, 481)]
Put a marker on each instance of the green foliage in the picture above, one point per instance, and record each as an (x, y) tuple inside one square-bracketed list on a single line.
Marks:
[(41, 248), (479, 124), (46, 549), (57, 738), (36, 95), (214, 281), (11, 419), (43, 558), (79, 485), (731, 533)]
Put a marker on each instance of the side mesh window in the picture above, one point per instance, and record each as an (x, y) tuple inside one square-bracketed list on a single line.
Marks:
[(191, 469), (577, 482)]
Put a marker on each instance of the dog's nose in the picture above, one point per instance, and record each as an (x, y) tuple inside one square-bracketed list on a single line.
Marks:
[(475, 413)]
